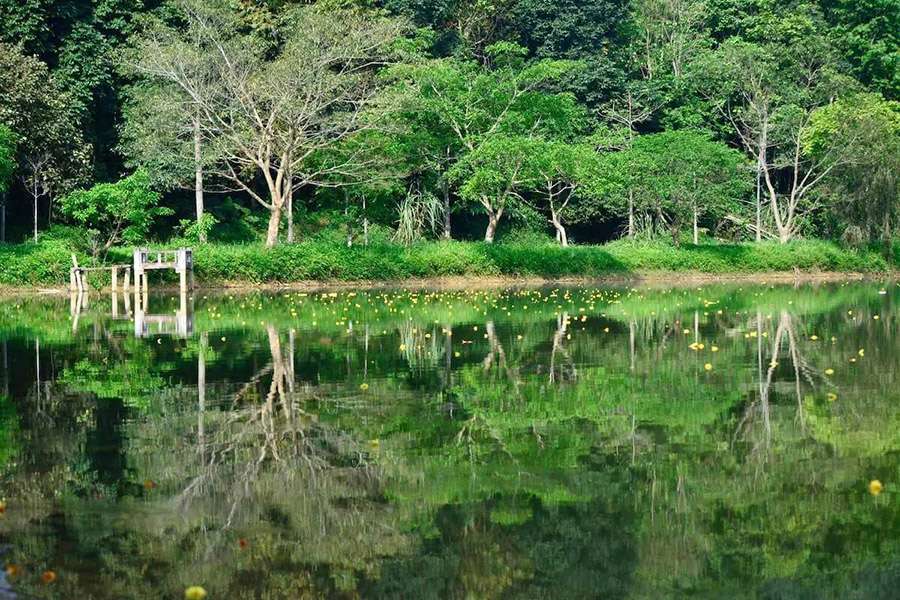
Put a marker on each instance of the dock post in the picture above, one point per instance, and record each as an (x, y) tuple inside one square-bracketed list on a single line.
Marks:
[(115, 279), (181, 267), (127, 283), (73, 287)]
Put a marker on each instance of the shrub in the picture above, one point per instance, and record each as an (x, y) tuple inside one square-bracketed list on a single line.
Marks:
[(321, 260)]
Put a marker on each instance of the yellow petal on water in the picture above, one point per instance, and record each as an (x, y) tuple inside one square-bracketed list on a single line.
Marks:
[(875, 487), (832, 396), (686, 331), (713, 348), (708, 366), (862, 352), (195, 592), (876, 317), (364, 386), (814, 337), (829, 371)]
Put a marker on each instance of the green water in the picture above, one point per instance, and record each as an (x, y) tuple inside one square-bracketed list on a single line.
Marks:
[(708, 442)]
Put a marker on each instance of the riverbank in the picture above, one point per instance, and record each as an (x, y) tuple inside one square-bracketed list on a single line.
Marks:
[(315, 264)]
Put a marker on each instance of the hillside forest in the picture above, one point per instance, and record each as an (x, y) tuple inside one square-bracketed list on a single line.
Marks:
[(395, 121)]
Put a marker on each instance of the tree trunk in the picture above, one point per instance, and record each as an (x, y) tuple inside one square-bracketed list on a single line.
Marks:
[(365, 223), (696, 230), (759, 201), (446, 190), (274, 225), (198, 181), (35, 218), (784, 234), (493, 220), (2, 222), (290, 216), (631, 213), (561, 236), (888, 238)]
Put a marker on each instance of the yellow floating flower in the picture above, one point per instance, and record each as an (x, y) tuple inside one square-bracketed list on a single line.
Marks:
[(829, 371), (862, 352), (195, 592), (875, 487), (714, 349), (708, 366), (832, 396), (364, 386)]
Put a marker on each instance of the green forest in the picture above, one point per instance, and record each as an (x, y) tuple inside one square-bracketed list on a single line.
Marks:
[(374, 139)]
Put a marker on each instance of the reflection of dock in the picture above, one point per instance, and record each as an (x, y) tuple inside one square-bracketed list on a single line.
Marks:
[(179, 324)]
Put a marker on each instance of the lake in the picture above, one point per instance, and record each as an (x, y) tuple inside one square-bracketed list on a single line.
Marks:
[(718, 441)]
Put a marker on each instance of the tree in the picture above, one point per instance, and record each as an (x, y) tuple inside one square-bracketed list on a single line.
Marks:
[(868, 36), (52, 154), (594, 32), (492, 176), (117, 212), (76, 39), (446, 109), (636, 106), (680, 177), (155, 137), (671, 33), (566, 180), (7, 168), (867, 187), (768, 95), (272, 119)]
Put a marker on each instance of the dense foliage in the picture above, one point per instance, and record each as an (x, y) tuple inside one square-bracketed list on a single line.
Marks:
[(741, 120)]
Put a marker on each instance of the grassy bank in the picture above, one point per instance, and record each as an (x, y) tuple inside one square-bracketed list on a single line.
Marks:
[(48, 263)]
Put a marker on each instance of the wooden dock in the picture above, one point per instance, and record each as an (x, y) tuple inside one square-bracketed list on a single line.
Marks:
[(144, 260)]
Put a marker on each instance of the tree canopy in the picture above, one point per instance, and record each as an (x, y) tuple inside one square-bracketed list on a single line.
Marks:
[(406, 109)]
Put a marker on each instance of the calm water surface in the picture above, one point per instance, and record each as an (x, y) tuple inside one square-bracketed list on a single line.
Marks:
[(709, 442)]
